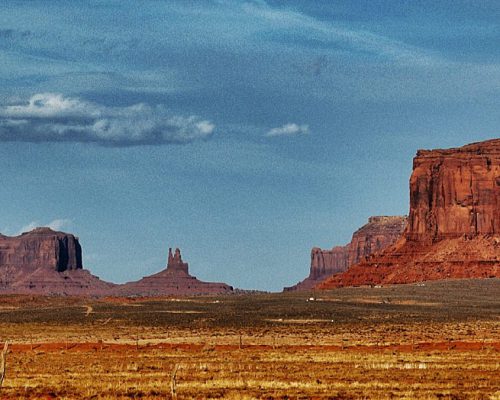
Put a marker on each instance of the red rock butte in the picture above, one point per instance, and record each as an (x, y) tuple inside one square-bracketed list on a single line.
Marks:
[(379, 233), (44, 261), (50, 263), (453, 226), (174, 280)]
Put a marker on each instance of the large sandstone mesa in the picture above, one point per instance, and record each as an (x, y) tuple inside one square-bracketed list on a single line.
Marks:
[(42, 247), (44, 261), (174, 280), (454, 221), (379, 233)]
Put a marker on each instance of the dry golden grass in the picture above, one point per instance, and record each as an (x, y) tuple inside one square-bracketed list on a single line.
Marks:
[(105, 373), (346, 345)]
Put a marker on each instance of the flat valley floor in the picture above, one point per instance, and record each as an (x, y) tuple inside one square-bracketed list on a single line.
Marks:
[(438, 340)]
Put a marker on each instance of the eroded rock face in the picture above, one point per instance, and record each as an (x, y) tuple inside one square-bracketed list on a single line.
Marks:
[(46, 262), (455, 192), (175, 261), (174, 280), (328, 262), (454, 221), (376, 235), (42, 247)]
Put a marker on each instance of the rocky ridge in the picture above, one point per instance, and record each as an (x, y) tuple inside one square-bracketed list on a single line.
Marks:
[(379, 233), (453, 227)]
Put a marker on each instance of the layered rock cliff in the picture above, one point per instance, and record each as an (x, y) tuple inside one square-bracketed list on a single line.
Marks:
[(45, 262), (328, 262), (455, 192), (42, 247), (454, 221), (376, 235), (174, 280)]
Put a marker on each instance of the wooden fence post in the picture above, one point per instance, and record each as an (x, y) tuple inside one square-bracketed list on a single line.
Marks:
[(3, 362), (173, 382)]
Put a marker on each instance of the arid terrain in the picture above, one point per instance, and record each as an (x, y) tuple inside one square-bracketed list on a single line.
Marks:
[(433, 340)]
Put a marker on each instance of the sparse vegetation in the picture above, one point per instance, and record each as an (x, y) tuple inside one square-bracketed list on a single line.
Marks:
[(441, 340)]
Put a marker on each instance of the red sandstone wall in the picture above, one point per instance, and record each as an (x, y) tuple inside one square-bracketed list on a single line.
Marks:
[(455, 192), (375, 236), (41, 247)]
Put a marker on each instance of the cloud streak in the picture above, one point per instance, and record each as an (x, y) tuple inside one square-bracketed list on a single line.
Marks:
[(290, 129), (56, 225), (293, 25), (52, 117)]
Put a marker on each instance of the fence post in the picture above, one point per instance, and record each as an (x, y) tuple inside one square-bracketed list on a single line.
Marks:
[(173, 383), (3, 362)]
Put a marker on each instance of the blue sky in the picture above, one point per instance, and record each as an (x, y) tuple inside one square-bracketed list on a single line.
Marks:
[(243, 132)]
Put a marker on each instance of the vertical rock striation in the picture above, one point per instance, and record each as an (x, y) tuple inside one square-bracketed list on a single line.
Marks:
[(455, 192), (328, 262), (376, 235), (41, 248)]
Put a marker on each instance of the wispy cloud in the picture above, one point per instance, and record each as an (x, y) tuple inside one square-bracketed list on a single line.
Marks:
[(295, 27), (290, 129), (56, 225), (241, 24), (52, 117)]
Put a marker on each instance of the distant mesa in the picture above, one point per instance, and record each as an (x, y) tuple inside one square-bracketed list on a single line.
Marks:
[(453, 226), (452, 231), (42, 247), (174, 280), (47, 262), (379, 233), (44, 261)]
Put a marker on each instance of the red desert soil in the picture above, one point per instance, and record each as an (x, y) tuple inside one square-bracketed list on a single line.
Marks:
[(189, 347)]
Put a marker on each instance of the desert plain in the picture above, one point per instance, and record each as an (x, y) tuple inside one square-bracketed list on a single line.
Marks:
[(433, 340)]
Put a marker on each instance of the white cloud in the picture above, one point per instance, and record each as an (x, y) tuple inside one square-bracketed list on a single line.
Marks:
[(56, 225), (59, 224), (290, 129), (52, 117), (27, 228)]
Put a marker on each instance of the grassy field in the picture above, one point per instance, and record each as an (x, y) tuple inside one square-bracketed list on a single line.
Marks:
[(438, 340)]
